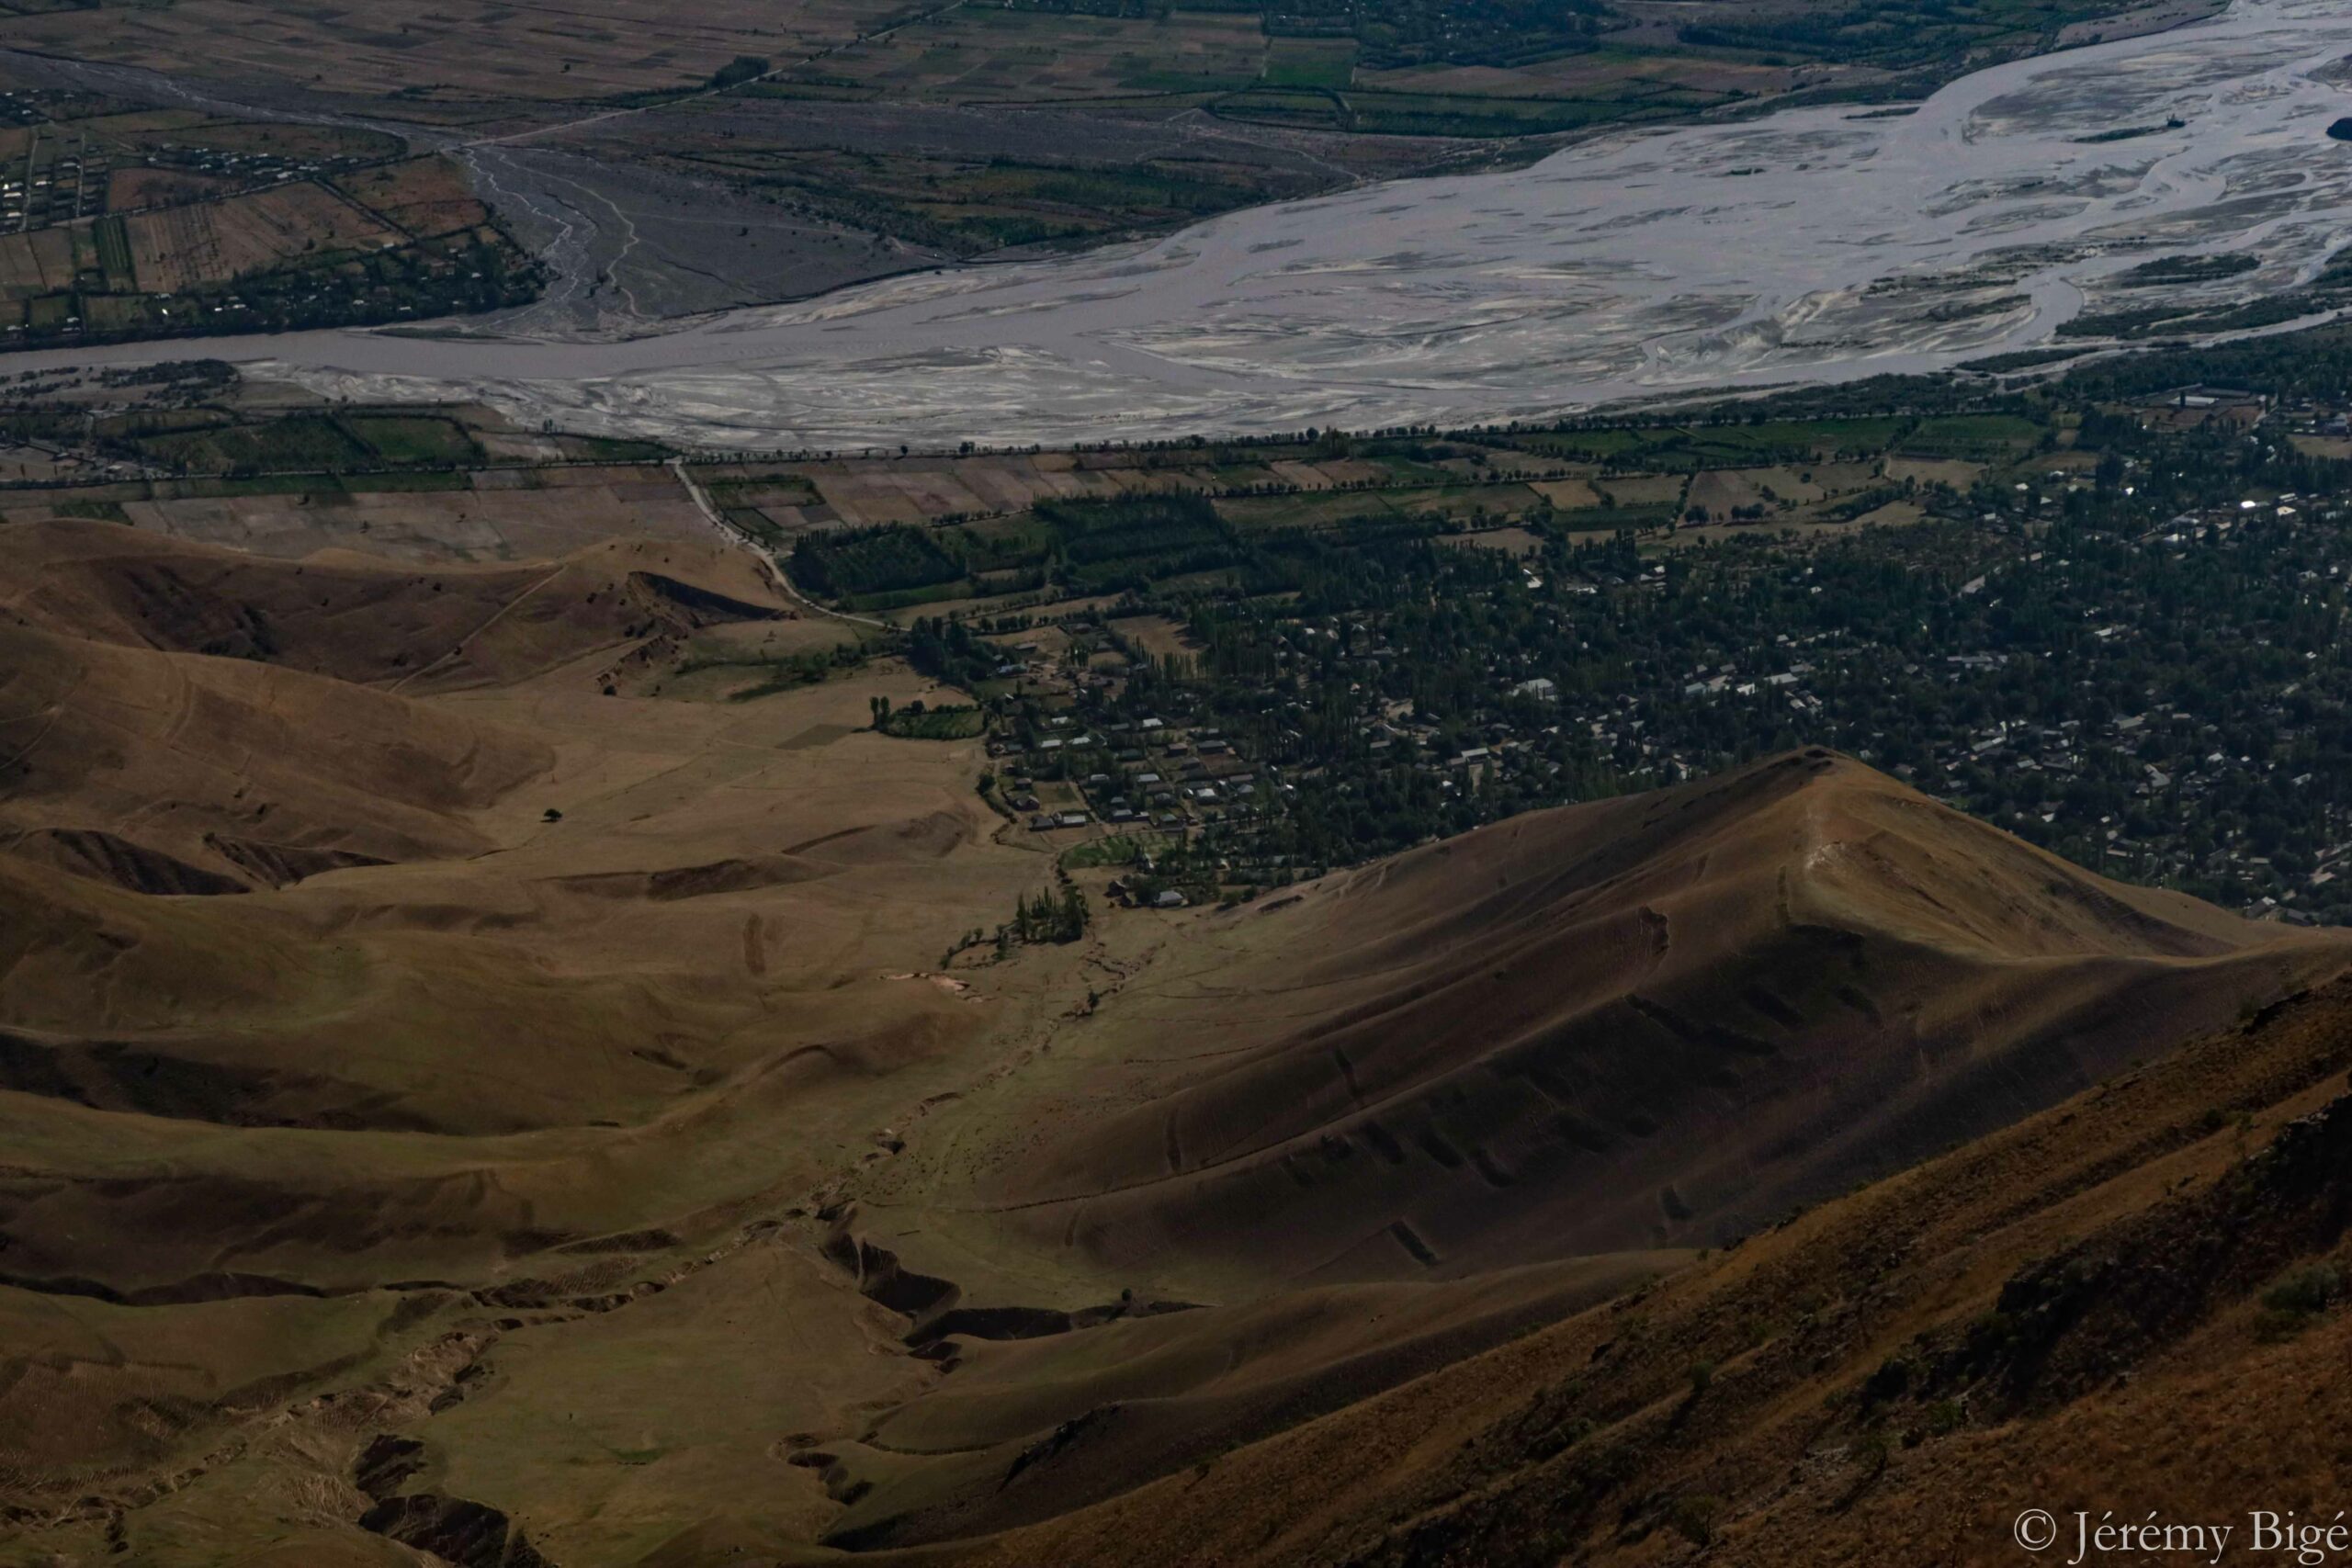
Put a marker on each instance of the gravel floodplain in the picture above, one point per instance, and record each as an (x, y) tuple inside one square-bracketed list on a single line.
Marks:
[(1816, 244)]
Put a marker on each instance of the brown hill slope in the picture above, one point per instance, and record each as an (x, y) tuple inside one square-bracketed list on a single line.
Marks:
[(418, 945), (365, 620), (507, 1174), (1654, 1021), (281, 1166), (132, 765), (349, 1025), (2133, 1302)]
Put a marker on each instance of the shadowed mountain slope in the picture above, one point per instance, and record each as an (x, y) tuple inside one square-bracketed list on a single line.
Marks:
[(2134, 1299), (121, 762), (458, 1101), (303, 977), (365, 620), (1659, 1020)]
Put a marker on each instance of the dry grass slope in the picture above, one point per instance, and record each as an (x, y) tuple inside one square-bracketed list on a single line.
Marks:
[(456, 1101), (1661, 1020), (325, 1051), (2122, 1303), (364, 620)]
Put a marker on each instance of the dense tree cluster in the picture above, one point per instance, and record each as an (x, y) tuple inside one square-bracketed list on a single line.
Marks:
[(2132, 664)]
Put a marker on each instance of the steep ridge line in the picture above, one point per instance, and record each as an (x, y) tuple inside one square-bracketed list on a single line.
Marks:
[(1876, 1379), (1659, 1020)]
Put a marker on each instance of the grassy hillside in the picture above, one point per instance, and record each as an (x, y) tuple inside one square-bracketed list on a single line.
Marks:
[(2106, 1307), (479, 1080)]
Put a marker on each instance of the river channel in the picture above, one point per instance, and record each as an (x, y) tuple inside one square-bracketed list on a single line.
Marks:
[(1812, 245)]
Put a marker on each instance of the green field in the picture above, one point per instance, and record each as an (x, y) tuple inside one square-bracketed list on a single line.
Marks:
[(306, 443), (1310, 63), (1972, 435), (406, 440), (1681, 448), (956, 722)]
